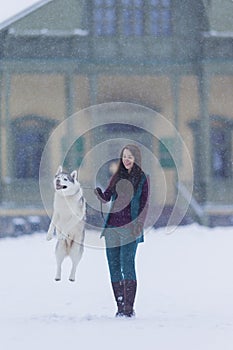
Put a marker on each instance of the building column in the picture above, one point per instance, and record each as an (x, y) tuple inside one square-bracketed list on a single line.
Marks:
[(70, 110), (93, 84), (69, 94), (176, 99), (175, 85), (1, 105), (205, 154), (7, 90), (93, 87)]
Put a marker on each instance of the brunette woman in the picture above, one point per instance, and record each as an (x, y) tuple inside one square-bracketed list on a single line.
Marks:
[(129, 190)]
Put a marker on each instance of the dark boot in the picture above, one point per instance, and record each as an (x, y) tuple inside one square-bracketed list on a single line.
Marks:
[(118, 290), (130, 292)]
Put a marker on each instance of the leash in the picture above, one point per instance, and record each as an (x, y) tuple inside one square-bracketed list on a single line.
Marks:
[(101, 210)]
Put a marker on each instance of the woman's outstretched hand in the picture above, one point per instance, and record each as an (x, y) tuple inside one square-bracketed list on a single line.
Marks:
[(98, 192)]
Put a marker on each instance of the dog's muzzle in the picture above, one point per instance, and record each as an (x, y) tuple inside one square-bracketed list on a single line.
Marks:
[(59, 186)]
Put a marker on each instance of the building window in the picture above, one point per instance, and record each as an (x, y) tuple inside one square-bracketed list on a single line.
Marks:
[(30, 135), (104, 17), (220, 139), (133, 17), (135, 14), (220, 147), (160, 17)]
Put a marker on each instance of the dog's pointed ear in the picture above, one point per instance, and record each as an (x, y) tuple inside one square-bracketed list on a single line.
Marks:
[(59, 170), (74, 174)]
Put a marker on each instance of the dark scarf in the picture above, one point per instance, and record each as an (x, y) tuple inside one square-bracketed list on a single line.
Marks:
[(134, 176)]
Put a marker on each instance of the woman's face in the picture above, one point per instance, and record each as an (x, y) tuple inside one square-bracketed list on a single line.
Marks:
[(128, 159)]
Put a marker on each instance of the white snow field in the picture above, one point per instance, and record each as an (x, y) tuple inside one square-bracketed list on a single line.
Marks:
[(184, 299)]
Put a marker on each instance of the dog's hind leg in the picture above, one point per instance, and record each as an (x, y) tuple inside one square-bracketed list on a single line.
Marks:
[(76, 253), (60, 256)]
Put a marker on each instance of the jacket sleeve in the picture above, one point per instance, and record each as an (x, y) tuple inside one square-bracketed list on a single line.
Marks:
[(144, 202)]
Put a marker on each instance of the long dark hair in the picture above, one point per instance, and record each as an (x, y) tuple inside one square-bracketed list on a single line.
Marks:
[(135, 174)]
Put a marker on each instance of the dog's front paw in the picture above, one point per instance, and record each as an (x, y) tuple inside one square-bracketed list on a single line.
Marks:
[(49, 236)]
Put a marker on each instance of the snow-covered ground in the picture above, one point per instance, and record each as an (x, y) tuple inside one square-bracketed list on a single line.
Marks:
[(184, 300)]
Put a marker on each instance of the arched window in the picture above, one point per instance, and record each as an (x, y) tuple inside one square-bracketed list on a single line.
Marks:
[(30, 135), (220, 147)]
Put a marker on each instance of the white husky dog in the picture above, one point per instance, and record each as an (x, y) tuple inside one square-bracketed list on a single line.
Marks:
[(68, 220)]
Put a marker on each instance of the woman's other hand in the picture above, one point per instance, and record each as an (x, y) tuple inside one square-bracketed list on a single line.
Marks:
[(137, 230)]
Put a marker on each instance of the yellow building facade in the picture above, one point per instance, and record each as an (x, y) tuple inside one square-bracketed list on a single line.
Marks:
[(52, 69)]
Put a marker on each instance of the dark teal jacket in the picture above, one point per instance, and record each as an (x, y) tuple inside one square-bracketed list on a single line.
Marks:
[(140, 197)]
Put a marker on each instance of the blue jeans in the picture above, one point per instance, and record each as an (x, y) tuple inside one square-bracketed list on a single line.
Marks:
[(121, 252)]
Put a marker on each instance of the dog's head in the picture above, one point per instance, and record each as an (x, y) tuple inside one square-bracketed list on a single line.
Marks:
[(66, 184)]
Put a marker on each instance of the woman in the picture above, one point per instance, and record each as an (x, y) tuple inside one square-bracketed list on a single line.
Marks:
[(128, 189)]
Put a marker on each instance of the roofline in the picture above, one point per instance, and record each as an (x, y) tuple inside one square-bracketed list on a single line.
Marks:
[(45, 32), (218, 34), (23, 13)]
